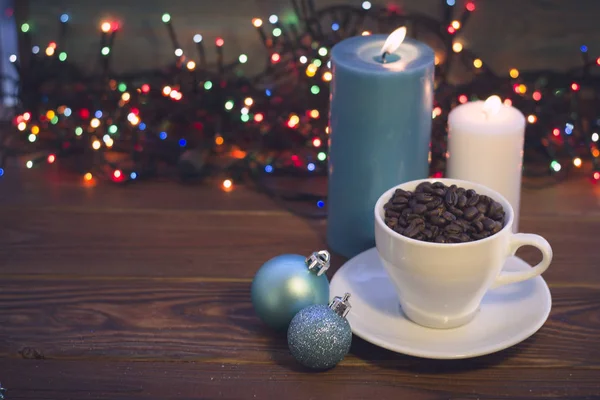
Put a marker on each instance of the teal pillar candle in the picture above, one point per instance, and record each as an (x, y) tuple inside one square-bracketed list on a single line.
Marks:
[(380, 131)]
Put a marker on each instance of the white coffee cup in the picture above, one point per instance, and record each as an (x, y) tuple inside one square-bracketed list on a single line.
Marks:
[(441, 285)]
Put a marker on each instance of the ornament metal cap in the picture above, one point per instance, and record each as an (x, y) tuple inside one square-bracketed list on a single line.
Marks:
[(340, 305), (319, 261)]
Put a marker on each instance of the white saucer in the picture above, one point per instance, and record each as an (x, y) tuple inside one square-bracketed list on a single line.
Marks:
[(507, 316)]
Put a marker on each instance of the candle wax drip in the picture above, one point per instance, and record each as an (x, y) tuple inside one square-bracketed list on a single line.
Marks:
[(386, 58)]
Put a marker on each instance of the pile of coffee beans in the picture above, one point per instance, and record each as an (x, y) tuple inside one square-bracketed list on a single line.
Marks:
[(438, 213)]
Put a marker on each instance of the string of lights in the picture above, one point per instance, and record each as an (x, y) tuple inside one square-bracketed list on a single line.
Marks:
[(211, 120)]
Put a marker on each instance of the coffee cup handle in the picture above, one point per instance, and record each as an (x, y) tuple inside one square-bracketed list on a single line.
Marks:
[(518, 240)]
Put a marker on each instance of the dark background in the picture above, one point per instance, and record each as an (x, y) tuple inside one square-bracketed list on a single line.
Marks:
[(526, 34)]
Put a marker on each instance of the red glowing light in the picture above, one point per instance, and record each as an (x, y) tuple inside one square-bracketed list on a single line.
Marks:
[(574, 86), (52, 45), (295, 158), (470, 6), (136, 111), (114, 26), (556, 132), (537, 96), (51, 158), (316, 142), (451, 30), (27, 116), (174, 94), (291, 124), (219, 42), (117, 175), (516, 88), (258, 117), (275, 58), (462, 99), (508, 102), (145, 88), (84, 113), (20, 119), (437, 174), (598, 60), (597, 176)]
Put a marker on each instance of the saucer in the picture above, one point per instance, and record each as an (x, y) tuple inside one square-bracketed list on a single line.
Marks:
[(507, 315)]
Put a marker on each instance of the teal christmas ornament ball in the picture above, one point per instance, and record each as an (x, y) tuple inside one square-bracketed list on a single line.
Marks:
[(319, 336), (288, 283)]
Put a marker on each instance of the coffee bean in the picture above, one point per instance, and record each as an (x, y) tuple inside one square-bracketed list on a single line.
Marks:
[(449, 216), (424, 197), (455, 211), (415, 217), (478, 225), (497, 227), (438, 213), (401, 192), (464, 237), (470, 213), (419, 208), (451, 198), (482, 207), (392, 222), (453, 228), (441, 239), (413, 229), (473, 200), (392, 213), (488, 224), (494, 208), (438, 192), (423, 185), (400, 200), (453, 238), (398, 207), (434, 203), (480, 236)]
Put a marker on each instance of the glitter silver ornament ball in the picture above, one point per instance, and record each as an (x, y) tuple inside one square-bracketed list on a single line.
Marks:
[(319, 336)]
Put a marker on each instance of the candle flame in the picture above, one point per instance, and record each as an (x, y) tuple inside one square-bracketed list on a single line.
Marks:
[(492, 105), (394, 40)]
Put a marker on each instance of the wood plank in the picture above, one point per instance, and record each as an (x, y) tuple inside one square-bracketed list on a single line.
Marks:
[(101, 380), (213, 321), (218, 243)]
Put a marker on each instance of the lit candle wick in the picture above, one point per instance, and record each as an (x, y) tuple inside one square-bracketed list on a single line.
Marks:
[(393, 42), (491, 106)]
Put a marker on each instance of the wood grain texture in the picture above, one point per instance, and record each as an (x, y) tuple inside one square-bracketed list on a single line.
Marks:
[(103, 380), (213, 321), (142, 292)]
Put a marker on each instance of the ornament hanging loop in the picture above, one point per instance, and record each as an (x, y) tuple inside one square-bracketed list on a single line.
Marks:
[(319, 261), (340, 305)]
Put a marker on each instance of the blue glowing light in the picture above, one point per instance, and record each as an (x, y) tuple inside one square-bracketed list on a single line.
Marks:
[(583, 48), (335, 26), (268, 169), (182, 142), (320, 204), (64, 18), (569, 129), (310, 167), (98, 114), (67, 112), (1, 172), (451, 2), (142, 126), (133, 175), (268, 92), (163, 135)]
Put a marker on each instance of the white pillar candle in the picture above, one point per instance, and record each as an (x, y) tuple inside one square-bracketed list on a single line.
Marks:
[(485, 145)]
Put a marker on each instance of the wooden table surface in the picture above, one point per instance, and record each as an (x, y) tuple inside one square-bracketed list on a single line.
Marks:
[(143, 292)]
